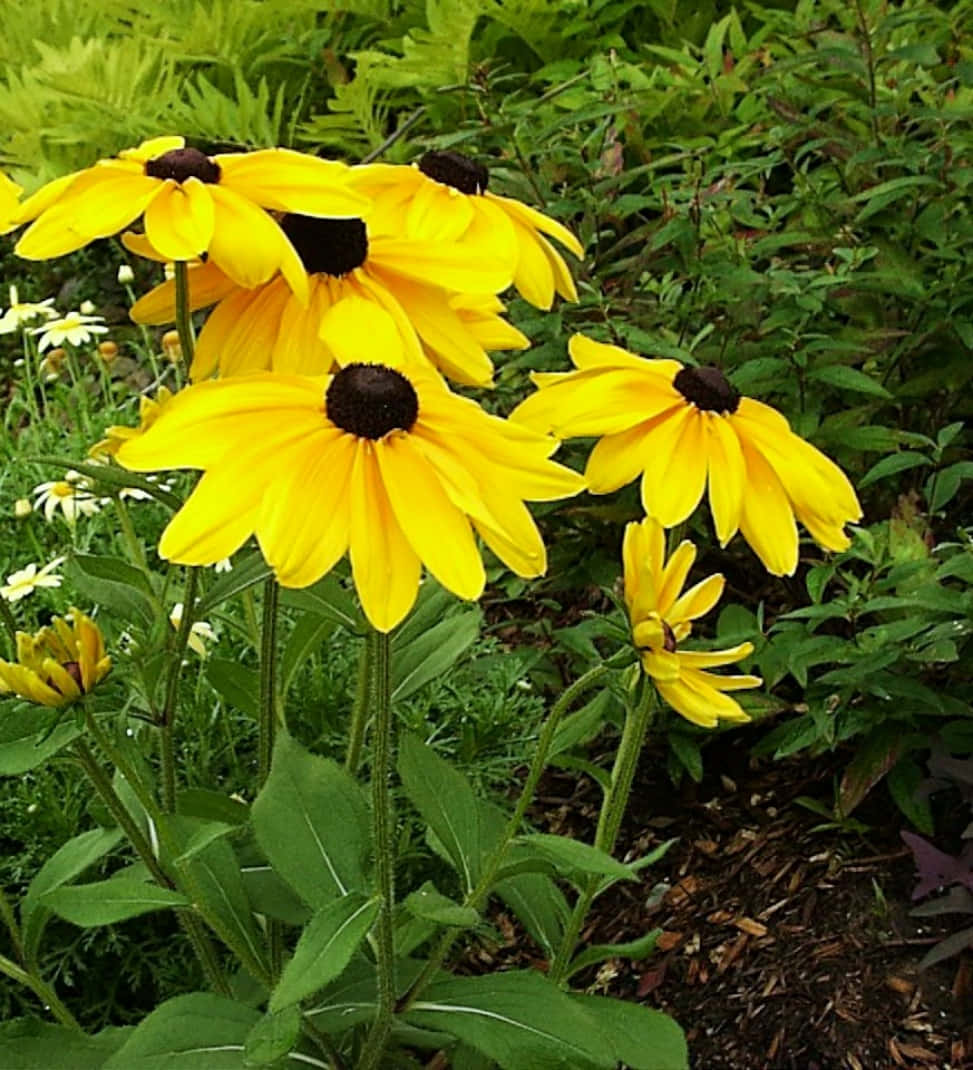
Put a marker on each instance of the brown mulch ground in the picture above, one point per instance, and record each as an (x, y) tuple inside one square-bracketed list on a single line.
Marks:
[(783, 948)]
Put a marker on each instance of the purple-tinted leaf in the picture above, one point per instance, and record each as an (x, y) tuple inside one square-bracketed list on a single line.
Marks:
[(945, 949), (936, 868), (945, 771), (957, 901)]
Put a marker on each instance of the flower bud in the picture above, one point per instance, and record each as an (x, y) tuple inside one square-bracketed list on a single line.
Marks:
[(22, 508), (171, 346), (107, 351), (125, 274), (86, 308)]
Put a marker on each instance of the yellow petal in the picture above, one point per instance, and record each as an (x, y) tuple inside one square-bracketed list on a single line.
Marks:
[(179, 221), (247, 244), (708, 659), (289, 181), (437, 213), (153, 147), (661, 665), (449, 266), (48, 194), (727, 476), (216, 519), (618, 459), (207, 285), (385, 567), (360, 331), (299, 349), (674, 575), (643, 555), (767, 520), (586, 354), (533, 276), (241, 331), (676, 476), (698, 600), (532, 219), (438, 532)]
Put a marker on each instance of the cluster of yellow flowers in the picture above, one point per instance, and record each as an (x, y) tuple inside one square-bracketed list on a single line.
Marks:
[(342, 300)]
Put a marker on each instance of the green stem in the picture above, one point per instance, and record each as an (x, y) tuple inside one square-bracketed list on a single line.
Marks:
[(6, 614), (168, 718), (477, 897), (360, 711), (198, 937), (42, 990), (613, 808), (265, 734), (128, 533), (184, 316), (382, 824), (7, 914)]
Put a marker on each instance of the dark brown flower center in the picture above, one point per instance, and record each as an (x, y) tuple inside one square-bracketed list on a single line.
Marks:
[(181, 164), (708, 389), (369, 400), (73, 669), (327, 246), (668, 638), (456, 170)]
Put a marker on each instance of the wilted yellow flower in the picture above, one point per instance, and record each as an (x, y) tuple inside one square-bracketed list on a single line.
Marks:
[(149, 409), (58, 664), (683, 429), (444, 197), (661, 616)]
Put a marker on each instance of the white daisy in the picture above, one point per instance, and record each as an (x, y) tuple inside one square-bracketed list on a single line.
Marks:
[(75, 328), (71, 495), (26, 580), (200, 633), (21, 312)]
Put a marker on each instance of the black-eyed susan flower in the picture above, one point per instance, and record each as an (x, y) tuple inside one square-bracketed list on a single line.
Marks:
[(58, 664), (661, 617), (385, 463), (364, 290), (192, 204), (685, 429), (444, 197)]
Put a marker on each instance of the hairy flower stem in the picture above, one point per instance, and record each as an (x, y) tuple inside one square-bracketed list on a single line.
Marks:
[(360, 711), (100, 781), (42, 990), (168, 719), (380, 705), (614, 804), (266, 730), (478, 896), (184, 318)]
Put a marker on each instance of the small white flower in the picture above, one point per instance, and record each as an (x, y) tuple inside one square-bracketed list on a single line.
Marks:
[(86, 308), (125, 274), (22, 508), (75, 328), (200, 633), (70, 495), (224, 565), (135, 494), (26, 580), (21, 312)]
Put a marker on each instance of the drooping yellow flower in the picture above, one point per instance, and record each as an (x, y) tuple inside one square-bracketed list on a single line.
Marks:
[(149, 409), (363, 289), (445, 198), (661, 617), (192, 203), (58, 664), (682, 429), (385, 463)]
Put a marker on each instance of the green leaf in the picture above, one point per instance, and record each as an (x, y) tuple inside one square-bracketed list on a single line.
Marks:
[(201, 837), (325, 948), (105, 902), (69, 861), (445, 801), (903, 782), (690, 757), (583, 725), (328, 599), (433, 652), (269, 895), (308, 635), (892, 465), (200, 1031), (519, 1019), (114, 584), (246, 572), (640, 1037), (211, 806), (113, 476), (27, 737), (572, 857), (30, 1044), (845, 378), (350, 1000), (237, 685), (431, 905), (272, 1037), (632, 949), (312, 824), (944, 484)]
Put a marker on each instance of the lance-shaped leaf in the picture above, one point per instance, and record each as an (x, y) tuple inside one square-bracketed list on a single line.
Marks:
[(105, 902)]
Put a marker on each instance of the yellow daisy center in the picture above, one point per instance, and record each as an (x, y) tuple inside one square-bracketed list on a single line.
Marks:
[(327, 246), (708, 389), (456, 170), (370, 400), (180, 164)]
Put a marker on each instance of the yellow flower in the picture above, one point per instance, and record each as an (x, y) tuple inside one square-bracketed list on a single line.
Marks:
[(363, 289), (58, 664), (192, 203), (683, 428), (149, 409), (661, 617), (386, 464), (445, 198)]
